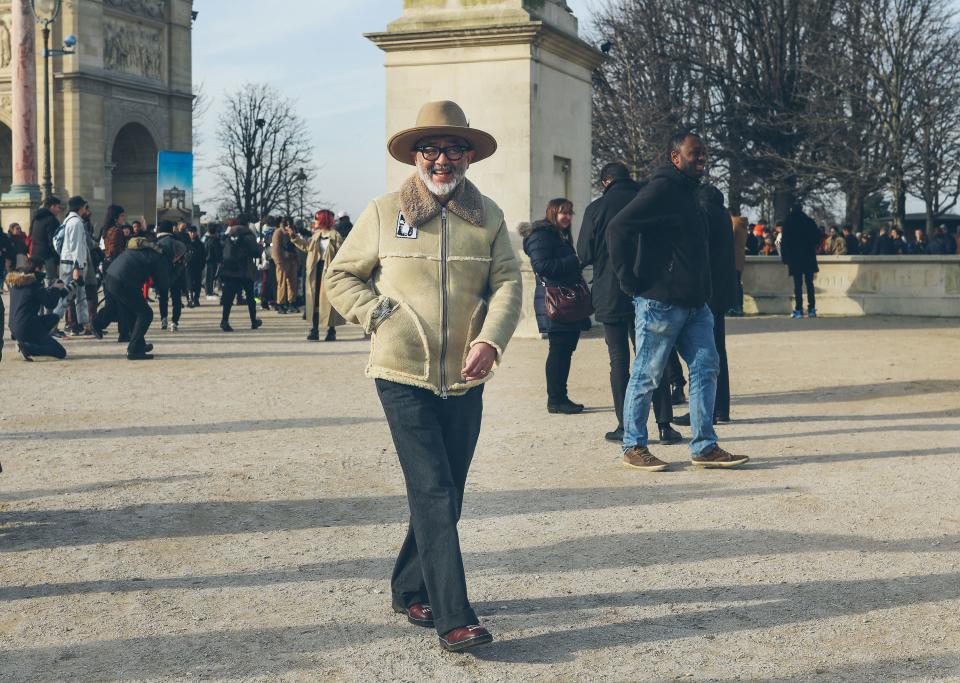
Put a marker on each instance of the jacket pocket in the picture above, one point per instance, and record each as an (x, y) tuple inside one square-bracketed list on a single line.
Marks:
[(399, 344), (473, 330)]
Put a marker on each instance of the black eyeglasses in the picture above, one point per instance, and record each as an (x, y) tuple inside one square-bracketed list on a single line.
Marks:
[(454, 153)]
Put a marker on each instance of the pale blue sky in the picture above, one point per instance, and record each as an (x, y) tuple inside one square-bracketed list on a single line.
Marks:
[(314, 52)]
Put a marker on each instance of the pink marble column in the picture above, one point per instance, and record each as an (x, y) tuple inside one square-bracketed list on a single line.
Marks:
[(24, 95)]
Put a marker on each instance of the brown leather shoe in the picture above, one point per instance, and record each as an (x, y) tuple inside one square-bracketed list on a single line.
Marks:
[(418, 614), (640, 458), (718, 458), (465, 637)]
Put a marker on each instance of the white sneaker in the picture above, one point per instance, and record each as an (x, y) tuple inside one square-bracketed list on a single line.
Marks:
[(163, 323), (176, 326)]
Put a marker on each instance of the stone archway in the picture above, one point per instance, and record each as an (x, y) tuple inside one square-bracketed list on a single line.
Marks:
[(134, 161), (6, 158)]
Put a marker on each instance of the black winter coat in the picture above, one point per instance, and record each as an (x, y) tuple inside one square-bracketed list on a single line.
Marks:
[(27, 296), (139, 263), (723, 267), (610, 304), (196, 257), (42, 229), (658, 242), (555, 262), (798, 246), (213, 251), (853, 245), (251, 249)]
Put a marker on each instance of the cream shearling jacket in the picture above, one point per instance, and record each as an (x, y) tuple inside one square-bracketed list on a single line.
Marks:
[(428, 282)]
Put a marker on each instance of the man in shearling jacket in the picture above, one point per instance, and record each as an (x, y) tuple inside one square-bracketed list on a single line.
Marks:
[(429, 271)]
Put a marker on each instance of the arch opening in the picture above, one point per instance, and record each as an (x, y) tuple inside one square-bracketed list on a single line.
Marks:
[(134, 161)]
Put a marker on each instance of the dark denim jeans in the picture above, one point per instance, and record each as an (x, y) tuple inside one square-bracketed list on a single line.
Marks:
[(660, 327), (435, 439), (619, 337), (799, 279)]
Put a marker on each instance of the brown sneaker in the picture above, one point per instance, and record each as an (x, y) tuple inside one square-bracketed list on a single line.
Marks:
[(640, 458), (718, 458)]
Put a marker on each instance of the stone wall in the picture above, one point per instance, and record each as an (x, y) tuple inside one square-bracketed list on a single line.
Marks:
[(860, 285)]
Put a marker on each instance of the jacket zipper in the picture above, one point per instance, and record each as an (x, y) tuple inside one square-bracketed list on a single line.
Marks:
[(443, 302)]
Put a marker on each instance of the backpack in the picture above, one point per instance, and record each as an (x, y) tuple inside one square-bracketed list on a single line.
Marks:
[(59, 236), (233, 254)]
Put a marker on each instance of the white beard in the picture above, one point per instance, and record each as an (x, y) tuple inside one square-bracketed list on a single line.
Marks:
[(441, 189)]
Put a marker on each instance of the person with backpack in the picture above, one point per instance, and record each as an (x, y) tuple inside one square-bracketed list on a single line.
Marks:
[(72, 243), (240, 249), (165, 238)]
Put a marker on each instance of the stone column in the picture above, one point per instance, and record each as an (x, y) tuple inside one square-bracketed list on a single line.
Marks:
[(24, 196), (24, 96), (521, 72)]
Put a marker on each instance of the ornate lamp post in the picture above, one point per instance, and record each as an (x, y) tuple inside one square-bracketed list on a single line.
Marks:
[(46, 12)]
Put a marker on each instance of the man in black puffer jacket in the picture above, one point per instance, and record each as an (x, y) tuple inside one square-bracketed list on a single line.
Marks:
[(658, 248), (143, 259), (611, 305)]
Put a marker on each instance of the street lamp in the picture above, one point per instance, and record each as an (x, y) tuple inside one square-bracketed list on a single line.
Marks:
[(301, 178), (45, 12)]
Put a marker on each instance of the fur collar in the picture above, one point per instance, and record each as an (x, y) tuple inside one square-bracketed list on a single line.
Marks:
[(419, 206), (18, 279)]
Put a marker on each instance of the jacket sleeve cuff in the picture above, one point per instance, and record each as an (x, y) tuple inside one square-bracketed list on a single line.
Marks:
[(496, 346)]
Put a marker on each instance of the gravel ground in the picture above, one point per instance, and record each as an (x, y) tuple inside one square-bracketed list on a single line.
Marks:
[(231, 511)]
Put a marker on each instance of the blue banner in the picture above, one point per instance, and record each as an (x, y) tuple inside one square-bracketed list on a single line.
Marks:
[(175, 187)]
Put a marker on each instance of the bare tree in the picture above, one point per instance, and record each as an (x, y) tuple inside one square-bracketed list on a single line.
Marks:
[(264, 144), (934, 174)]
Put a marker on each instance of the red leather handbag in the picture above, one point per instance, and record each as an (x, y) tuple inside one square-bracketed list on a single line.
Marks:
[(567, 304)]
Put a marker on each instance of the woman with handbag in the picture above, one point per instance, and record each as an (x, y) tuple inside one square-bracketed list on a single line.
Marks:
[(561, 299)]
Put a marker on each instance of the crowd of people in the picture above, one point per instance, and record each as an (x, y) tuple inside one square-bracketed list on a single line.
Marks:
[(766, 240), (71, 278)]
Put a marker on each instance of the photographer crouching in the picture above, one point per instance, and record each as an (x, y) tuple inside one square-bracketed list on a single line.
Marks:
[(31, 330)]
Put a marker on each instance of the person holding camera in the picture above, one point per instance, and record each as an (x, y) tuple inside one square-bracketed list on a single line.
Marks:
[(28, 295)]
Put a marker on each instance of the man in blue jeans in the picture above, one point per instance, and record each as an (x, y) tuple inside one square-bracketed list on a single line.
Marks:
[(659, 250)]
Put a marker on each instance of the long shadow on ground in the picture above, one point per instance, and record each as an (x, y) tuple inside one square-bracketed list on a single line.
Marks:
[(248, 652), (629, 551), (29, 530)]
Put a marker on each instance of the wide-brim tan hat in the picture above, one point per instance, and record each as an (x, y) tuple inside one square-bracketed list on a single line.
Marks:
[(444, 118)]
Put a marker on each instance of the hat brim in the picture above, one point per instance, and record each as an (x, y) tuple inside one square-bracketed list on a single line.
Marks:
[(401, 144)]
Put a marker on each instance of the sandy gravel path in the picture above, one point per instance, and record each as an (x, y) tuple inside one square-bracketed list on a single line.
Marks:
[(231, 512)]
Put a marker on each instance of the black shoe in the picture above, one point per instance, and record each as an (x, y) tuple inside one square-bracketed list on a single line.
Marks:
[(677, 397), (282, 310), (255, 323), (97, 332), (669, 435), (314, 335), (225, 326), (140, 356), (23, 354), (331, 334), (123, 339), (57, 334), (615, 435), (147, 347), (721, 419), (683, 420), (567, 407)]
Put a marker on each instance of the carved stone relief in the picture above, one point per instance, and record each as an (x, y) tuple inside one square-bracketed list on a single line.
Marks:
[(133, 48), (155, 9), (6, 50), (6, 106)]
